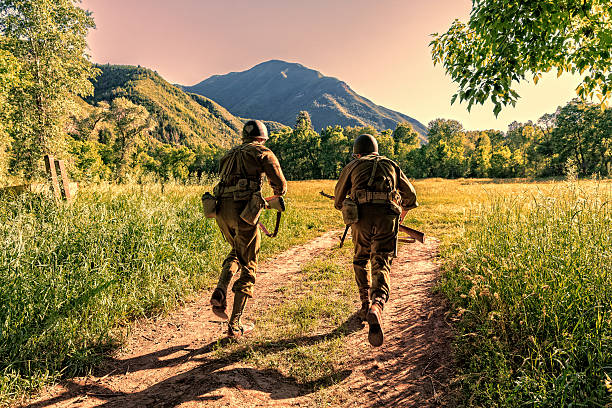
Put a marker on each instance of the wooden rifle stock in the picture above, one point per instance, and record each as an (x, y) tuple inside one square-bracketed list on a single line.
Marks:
[(412, 233)]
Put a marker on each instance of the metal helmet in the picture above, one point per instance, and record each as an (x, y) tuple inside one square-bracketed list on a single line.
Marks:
[(254, 129), (365, 144)]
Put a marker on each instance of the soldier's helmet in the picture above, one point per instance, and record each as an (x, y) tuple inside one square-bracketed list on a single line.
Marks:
[(254, 129), (365, 144)]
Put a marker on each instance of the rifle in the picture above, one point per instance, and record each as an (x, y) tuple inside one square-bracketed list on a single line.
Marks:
[(411, 232), (331, 197)]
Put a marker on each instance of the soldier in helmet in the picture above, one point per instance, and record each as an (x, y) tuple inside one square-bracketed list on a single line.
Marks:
[(383, 196), (242, 172)]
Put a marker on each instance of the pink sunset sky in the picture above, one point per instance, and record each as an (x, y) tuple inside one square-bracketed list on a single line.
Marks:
[(379, 48)]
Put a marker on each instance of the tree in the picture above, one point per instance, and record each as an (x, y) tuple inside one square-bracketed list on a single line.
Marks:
[(49, 37), (582, 137), (206, 160), (405, 134), (335, 152), (481, 160), (9, 81), (173, 162), (299, 149), (85, 127), (131, 123), (386, 144), (507, 41), (87, 162), (445, 151), (302, 121), (501, 162)]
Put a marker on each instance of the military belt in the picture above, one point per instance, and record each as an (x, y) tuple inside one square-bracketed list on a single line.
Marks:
[(375, 197), (243, 185)]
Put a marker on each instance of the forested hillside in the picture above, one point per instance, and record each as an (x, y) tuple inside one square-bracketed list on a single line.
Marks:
[(181, 118), (278, 90)]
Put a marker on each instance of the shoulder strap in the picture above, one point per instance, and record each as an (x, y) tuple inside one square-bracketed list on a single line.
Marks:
[(390, 175), (374, 167), (241, 164)]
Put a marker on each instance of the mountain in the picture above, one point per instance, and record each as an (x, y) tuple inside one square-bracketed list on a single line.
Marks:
[(182, 118), (278, 90)]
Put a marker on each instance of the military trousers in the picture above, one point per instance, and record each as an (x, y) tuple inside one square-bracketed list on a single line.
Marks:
[(375, 239), (245, 240)]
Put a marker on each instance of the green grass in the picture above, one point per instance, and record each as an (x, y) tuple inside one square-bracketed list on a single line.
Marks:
[(72, 278), (531, 285)]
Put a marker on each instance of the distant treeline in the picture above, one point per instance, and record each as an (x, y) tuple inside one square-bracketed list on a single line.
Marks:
[(576, 139)]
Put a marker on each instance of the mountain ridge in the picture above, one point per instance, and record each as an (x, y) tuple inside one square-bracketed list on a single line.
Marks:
[(277, 90)]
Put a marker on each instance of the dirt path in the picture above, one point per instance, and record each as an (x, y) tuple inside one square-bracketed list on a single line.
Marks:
[(170, 361)]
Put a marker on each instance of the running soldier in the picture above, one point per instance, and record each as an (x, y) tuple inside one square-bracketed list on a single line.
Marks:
[(242, 172), (379, 196)]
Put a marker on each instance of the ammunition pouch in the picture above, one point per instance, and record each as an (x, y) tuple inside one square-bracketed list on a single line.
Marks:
[(253, 209), (209, 202), (379, 197), (350, 211)]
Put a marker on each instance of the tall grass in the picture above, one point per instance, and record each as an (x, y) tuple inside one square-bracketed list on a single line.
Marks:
[(532, 290), (72, 277)]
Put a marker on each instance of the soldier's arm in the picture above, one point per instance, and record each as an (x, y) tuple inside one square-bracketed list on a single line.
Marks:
[(273, 171), (343, 186), (406, 191)]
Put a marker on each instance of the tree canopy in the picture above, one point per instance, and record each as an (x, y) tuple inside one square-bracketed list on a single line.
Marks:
[(507, 41), (49, 38)]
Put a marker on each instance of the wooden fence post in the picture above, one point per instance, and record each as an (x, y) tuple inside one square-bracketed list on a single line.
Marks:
[(65, 182), (50, 166)]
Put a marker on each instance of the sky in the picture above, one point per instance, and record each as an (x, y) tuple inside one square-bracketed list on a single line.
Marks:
[(380, 49)]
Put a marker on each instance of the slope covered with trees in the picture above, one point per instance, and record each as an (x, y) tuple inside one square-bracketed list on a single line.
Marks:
[(278, 90), (181, 118)]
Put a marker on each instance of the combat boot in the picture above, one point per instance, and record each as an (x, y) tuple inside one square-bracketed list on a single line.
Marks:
[(241, 330), (376, 336), (235, 329), (364, 295), (363, 312), (218, 301)]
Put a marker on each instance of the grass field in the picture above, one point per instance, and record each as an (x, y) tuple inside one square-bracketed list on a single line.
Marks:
[(531, 285), (72, 278)]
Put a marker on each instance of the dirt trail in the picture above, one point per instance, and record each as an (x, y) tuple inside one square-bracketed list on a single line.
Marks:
[(169, 361)]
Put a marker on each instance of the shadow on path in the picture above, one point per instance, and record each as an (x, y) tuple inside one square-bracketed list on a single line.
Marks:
[(209, 375)]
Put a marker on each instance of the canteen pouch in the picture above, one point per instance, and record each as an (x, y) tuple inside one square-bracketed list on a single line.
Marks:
[(209, 202), (277, 203), (350, 212), (253, 209)]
